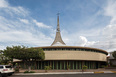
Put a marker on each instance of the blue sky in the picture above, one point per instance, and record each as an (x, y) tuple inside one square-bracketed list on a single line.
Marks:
[(90, 23)]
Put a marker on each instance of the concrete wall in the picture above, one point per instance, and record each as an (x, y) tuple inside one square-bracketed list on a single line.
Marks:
[(74, 55)]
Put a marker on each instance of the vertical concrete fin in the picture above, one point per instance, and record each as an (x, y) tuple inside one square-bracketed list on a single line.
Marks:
[(58, 39)]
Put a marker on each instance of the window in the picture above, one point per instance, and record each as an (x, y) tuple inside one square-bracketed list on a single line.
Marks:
[(1, 67), (8, 67)]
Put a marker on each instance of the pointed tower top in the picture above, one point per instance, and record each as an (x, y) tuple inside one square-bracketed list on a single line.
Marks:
[(58, 26), (58, 39)]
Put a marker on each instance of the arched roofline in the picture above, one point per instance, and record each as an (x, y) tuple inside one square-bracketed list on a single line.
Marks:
[(73, 47)]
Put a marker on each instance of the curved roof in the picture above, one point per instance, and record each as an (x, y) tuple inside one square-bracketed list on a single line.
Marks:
[(73, 47)]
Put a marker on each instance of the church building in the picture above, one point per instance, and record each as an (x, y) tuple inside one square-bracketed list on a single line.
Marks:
[(60, 56)]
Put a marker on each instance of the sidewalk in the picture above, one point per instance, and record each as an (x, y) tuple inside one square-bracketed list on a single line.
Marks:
[(42, 72), (88, 70), (61, 73)]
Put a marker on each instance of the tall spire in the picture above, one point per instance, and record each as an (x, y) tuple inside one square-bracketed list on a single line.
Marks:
[(58, 39), (58, 26)]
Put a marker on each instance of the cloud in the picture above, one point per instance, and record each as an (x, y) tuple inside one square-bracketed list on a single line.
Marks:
[(2, 47), (40, 24), (109, 10), (24, 37), (17, 28), (103, 38), (109, 31), (24, 21), (107, 34), (3, 4), (18, 10), (7, 9), (84, 42)]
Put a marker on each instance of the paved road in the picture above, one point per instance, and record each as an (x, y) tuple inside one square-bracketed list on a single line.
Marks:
[(68, 75)]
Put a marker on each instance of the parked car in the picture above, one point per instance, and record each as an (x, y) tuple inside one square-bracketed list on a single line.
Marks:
[(0, 74), (6, 70)]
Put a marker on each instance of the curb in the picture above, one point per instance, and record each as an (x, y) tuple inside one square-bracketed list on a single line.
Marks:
[(100, 72), (113, 71), (54, 73), (105, 72)]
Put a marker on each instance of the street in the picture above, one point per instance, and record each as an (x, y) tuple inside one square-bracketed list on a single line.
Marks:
[(68, 75)]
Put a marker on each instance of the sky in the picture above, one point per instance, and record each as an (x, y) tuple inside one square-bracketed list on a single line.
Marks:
[(32, 23)]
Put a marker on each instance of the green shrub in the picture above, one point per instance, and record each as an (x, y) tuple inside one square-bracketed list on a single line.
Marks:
[(26, 72), (103, 66), (29, 72), (32, 72), (16, 69), (113, 65), (68, 66), (46, 68), (84, 67)]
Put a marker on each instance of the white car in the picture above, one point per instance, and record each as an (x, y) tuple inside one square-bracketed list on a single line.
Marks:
[(6, 70)]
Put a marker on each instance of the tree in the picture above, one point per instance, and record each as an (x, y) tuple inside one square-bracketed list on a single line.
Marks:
[(1, 56), (114, 54), (25, 54), (3, 59)]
